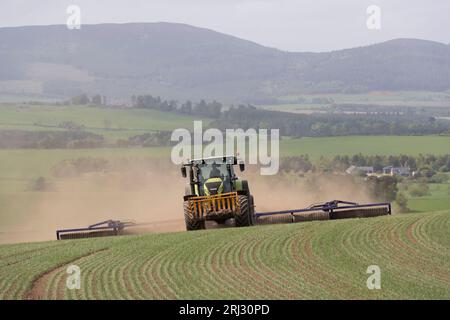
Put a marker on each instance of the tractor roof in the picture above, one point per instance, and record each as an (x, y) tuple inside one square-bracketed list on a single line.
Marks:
[(222, 159)]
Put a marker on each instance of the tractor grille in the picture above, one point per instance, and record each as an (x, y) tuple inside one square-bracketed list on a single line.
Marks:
[(214, 205)]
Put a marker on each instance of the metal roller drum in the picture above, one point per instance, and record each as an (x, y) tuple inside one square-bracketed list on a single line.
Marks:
[(331, 210)]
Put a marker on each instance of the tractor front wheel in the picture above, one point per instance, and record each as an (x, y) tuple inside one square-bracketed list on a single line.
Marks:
[(191, 222), (243, 218)]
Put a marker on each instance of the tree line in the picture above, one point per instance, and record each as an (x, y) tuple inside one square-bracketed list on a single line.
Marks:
[(11, 139), (83, 99), (202, 108), (299, 125), (76, 139), (321, 125), (425, 165)]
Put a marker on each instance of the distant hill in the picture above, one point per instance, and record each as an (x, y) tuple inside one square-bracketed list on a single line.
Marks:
[(181, 61)]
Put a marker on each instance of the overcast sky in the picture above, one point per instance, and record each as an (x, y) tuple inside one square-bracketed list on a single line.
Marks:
[(293, 25)]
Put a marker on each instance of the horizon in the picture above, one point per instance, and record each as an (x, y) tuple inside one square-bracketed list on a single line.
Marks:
[(288, 25), (212, 30)]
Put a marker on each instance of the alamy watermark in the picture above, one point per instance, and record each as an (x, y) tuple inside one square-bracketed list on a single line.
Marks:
[(263, 145), (374, 280), (74, 19), (73, 281), (373, 21)]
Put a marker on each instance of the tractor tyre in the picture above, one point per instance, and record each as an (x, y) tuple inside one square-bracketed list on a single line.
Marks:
[(243, 218), (252, 210), (191, 223)]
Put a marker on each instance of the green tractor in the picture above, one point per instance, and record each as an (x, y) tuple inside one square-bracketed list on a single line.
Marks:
[(215, 193)]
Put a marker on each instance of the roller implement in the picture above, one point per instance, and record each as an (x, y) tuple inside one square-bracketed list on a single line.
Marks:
[(111, 228), (100, 229), (331, 210)]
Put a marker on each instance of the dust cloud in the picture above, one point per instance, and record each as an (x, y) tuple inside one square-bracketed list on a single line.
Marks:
[(293, 191), (153, 196)]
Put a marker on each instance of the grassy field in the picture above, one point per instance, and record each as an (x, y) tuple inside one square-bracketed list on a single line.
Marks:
[(29, 163), (112, 123), (438, 199), (20, 98), (425, 204), (313, 260), (384, 98), (367, 145)]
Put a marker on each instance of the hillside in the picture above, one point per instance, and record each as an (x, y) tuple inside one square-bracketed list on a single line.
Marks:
[(315, 260), (182, 61)]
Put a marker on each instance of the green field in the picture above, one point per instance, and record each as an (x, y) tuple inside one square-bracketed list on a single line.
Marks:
[(425, 204), (28, 163), (20, 98), (320, 103), (111, 122), (438, 199), (32, 163), (367, 145), (382, 98), (312, 260)]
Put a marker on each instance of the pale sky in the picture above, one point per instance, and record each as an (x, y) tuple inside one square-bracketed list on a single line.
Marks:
[(291, 25)]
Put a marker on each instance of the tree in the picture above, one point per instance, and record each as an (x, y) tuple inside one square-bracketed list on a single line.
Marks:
[(186, 107), (97, 99), (419, 190), (383, 188), (107, 124), (81, 99), (402, 202), (40, 184)]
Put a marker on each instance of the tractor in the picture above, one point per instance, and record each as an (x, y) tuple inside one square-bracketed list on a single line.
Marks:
[(215, 193)]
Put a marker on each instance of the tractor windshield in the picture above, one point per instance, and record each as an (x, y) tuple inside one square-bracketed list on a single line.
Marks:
[(207, 171), (214, 178)]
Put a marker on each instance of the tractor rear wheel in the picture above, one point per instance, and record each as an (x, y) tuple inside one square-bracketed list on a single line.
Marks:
[(243, 218), (191, 222), (252, 210)]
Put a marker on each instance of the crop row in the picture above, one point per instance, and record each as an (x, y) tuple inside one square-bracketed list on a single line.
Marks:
[(312, 260)]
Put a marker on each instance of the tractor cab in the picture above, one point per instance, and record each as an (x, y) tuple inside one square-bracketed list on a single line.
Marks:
[(212, 176)]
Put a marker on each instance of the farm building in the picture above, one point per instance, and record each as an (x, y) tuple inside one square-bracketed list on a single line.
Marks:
[(356, 170), (396, 171)]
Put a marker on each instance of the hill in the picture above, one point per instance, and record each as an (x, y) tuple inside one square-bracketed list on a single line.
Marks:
[(182, 61), (314, 260)]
